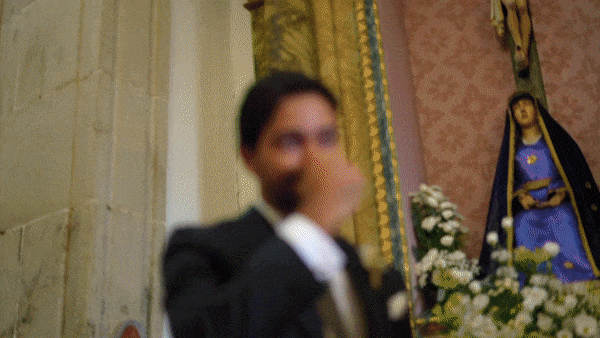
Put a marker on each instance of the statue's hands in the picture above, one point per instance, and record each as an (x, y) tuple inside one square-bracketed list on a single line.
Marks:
[(330, 189), (527, 201), (555, 200)]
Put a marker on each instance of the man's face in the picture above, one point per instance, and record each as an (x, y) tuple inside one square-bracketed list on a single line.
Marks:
[(524, 112), (302, 127)]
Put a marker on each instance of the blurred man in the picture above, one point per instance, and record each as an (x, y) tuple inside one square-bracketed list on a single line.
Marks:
[(279, 270)]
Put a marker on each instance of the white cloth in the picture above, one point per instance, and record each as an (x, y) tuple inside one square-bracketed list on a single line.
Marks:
[(317, 250)]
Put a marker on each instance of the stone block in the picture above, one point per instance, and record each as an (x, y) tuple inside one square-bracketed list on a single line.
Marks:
[(84, 270), (95, 35), (159, 157), (92, 140), (39, 48), (126, 289), (43, 272), (35, 158), (13, 7), (161, 48), (108, 36), (11, 282), (134, 43), (131, 167)]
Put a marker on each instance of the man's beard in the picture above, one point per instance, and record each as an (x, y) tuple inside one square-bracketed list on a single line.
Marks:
[(283, 193)]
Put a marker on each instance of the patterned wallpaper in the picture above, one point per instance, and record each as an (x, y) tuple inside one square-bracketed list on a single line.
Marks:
[(462, 78)]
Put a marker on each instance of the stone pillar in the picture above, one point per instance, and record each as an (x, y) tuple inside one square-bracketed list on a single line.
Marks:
[(82, 166)]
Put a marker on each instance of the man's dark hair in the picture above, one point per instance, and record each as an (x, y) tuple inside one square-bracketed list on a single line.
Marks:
[(263, 97)]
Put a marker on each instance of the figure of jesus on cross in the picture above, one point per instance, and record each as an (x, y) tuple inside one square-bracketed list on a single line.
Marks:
[(519, 25)]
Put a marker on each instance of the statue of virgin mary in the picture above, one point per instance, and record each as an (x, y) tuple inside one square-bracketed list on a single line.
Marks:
[(544, 183)]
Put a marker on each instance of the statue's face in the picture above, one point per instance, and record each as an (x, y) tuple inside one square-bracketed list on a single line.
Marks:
[(524, 112)]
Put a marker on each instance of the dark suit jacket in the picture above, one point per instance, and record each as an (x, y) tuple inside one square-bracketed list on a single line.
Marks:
[(238, 279)]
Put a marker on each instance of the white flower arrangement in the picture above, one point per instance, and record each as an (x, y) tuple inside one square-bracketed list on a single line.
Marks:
[(518, 300), (442, 264)]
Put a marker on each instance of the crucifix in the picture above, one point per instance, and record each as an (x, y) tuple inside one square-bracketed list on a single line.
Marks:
[(515, 15)]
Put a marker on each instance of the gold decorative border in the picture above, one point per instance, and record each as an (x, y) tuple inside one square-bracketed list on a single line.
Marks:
[(375, 131), (510, 184)]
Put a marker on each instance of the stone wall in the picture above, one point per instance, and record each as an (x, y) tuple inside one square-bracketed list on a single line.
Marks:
[(83, 110)]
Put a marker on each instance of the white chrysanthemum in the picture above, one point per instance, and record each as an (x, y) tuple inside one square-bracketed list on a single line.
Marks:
[(463, 276), (564, 333), (436, 188), (483, 326), (529, 304), (501, 256), (551, 248), (456, 255), (447, 214), (431, 201), (423, 187), (454, 223), (507, 223), (492, 238), (507, 272), (534, 297), (570, 302), (541, 293), (539, 280), (508, 283), (446, 205), (418, 270), (447, 227), (438, 195), (397, 305), (423, 280), (544, 322), (475, 286), (524, 317), (429, 222), (440, 262), (557, 285), (427, 261), (481, 301), (560, 310), (447, 240), (585, 325), (578, 288)]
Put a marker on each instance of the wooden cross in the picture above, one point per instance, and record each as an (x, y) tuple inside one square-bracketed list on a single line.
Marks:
[(530, 80)]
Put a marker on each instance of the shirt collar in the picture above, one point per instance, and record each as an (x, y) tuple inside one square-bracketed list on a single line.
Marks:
[(268, 212)]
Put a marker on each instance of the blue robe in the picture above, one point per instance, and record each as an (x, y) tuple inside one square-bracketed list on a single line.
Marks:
[(534, 227)]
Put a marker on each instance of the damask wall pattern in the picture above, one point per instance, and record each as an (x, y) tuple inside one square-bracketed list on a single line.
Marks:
[(463, 77)]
